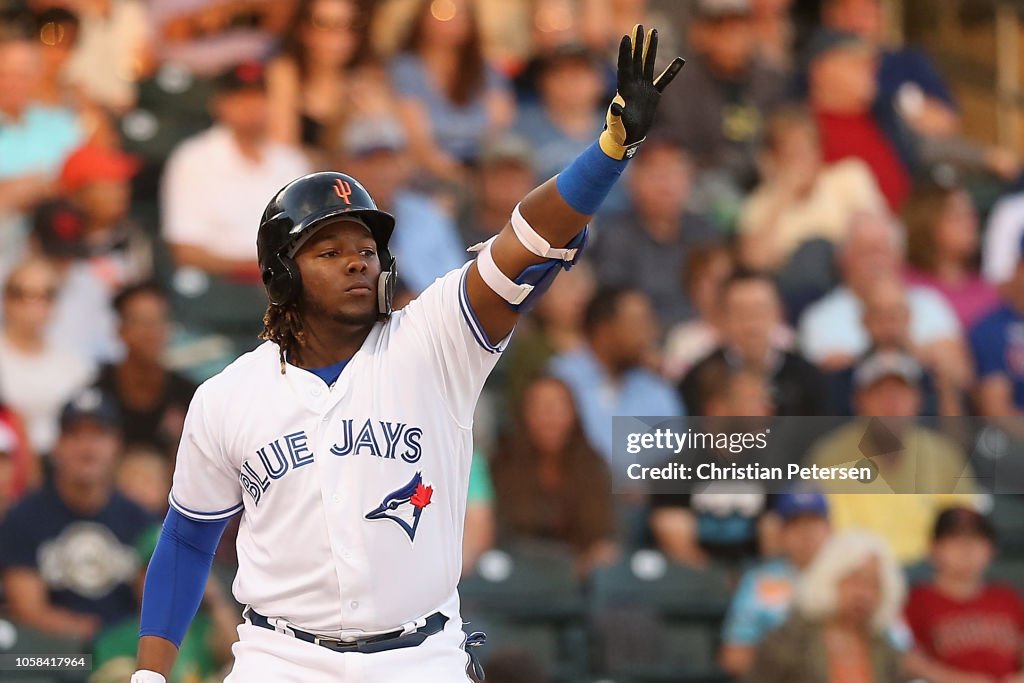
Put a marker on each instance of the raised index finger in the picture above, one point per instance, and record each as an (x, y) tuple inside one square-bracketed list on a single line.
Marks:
[(625, 66)]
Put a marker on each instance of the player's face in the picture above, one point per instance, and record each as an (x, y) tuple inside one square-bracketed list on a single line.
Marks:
[(340, 267)]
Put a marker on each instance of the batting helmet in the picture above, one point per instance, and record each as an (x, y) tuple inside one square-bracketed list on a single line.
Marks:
[(298, 210)]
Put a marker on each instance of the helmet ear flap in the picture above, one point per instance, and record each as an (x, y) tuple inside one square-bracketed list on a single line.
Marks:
[(282, 279), (387, 282)]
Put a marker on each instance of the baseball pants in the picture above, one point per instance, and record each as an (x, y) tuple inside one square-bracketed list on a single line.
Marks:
[(262, 655)]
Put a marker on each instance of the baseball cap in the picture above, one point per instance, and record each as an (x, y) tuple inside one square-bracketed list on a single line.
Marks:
[(90, 404), (507, 150), (961, 521), (91, 162), (248, 75), (882, 364), (826, 40), (366, 135), (59, 228), (721, 9), (568, 52), (789, 506)]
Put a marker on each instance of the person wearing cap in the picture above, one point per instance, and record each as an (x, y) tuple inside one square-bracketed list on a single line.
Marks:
[(214, 181), (658, 229), (570, 82), (731, 91), (97, 180), (375, 150), (966, 628), (67, 551), (763, 597), (998, 349), (505, 171), (909, 458)]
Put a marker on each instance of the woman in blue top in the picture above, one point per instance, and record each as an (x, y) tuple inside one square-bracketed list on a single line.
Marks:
[(450, 100)]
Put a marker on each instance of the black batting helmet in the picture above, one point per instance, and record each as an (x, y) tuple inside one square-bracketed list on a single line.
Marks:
[(294, 214)]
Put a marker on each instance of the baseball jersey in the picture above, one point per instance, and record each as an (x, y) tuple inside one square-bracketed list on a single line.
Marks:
[(354, 495)]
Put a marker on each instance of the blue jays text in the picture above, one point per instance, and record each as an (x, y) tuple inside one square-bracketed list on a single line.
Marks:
[(382, 439)]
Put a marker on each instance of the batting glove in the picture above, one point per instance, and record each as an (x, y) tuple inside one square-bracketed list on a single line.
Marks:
[(637, 93)]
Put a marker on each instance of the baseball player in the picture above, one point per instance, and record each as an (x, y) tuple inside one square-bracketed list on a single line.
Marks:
[(344, 441)]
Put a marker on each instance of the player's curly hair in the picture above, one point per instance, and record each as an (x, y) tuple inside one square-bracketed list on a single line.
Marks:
[(283, 326)]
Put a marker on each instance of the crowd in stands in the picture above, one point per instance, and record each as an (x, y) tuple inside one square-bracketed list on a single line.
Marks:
[(802, 234)]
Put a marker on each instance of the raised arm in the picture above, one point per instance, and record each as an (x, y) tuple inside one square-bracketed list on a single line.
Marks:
[(547, 231)]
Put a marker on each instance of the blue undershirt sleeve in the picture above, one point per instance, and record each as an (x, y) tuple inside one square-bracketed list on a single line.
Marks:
[(177, 575)]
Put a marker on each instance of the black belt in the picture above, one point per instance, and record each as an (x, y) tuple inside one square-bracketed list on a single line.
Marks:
[(392, 640)]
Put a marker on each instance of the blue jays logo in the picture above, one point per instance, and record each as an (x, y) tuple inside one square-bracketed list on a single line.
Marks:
[(405, 505)]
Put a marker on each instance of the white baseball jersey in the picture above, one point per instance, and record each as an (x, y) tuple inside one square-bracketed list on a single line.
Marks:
[(353, 496)]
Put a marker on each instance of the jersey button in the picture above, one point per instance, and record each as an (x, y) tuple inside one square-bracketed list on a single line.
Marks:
[(354, 604), (336, 498), (315, 391)]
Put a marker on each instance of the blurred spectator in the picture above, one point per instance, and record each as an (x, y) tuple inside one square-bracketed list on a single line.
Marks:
[(58, 31), (67, 551), (112, 51), (765, 593), (205, 37), (1002, 237), (842, 90), (850, 595), (708, 266), (376, 154), (774, 32), (608, 376), (909, 458), (478, 532), (555, 327), (997, 344), (216, 183), (82, 319), (36, 376), (568, 116), (730, 90), (965, 628), (550, 483), (750, 323), (97, 180), (801, 198), (887, 322), (942, 249), (152, 400), (34, 139), (144, 477), (19, 468), (726, 523), (326, 74), (832, 334), (646, 245), (504, 176), (450, 99)]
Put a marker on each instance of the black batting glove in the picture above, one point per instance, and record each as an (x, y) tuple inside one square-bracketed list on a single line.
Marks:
[(637, 93)]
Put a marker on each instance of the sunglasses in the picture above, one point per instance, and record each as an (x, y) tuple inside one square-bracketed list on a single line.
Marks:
[(16, 293), (330, 24)]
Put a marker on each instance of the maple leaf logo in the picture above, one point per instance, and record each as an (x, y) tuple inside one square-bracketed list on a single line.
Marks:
[(421, 498)]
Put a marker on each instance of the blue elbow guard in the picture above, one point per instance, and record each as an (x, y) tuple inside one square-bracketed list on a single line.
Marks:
[(541, 275), (177, 575)]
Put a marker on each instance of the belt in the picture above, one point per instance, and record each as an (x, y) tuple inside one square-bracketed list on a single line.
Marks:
[(392, 640)]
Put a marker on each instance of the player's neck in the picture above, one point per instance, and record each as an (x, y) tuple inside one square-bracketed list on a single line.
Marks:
[(327, 343)]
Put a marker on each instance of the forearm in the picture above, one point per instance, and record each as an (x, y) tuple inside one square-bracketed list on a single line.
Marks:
[(157, 654)]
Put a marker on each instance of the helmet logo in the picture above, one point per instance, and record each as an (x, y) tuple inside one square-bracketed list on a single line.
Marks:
[(343, 190)]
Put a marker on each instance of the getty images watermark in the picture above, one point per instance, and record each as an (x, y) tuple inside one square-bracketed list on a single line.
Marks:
[(832, 454)]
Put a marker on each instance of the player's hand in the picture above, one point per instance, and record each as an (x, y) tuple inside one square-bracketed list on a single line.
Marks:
[(638, 93)]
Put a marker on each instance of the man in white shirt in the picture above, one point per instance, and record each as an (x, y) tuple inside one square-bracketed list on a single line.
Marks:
[(832, 333), (216, 182)]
